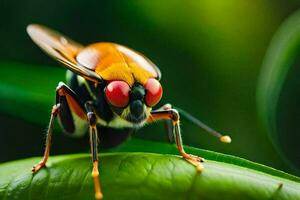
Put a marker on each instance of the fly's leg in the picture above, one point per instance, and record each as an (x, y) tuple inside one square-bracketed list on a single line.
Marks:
[(92, 119), (168, 124), (67, 100), (169, 130), (64, 98), (173, 115), (42, 163)]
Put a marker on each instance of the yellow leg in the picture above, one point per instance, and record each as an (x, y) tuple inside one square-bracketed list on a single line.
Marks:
[(43, 162), (194, 160), (95, 175), (172, 114)]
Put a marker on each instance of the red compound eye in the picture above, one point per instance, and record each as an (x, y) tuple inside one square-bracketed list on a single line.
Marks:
[(117, 93), (153, 92)]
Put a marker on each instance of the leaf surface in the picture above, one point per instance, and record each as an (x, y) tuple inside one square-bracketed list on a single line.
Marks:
[(141, 175)]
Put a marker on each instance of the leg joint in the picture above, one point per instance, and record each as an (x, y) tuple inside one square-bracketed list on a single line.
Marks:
[(55, 109), (95, 174), (92, 118), (174, 115), (167, 106), (60, 89)]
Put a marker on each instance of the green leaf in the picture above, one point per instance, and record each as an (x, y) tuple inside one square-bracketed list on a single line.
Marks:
[(278, 93), (146, 176), (28, 91), (158, 147)]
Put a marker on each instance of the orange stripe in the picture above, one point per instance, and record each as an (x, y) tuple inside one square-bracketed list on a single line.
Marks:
[(75, 107)]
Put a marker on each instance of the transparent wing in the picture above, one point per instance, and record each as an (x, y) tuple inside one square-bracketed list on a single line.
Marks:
[(61, 49)]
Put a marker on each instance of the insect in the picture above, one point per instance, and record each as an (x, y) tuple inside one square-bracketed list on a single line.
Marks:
[(110, 91)]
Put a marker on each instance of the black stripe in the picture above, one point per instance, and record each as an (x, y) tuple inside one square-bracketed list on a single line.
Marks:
[(79, 89), (94, 143), (65, 115), (102, 108)]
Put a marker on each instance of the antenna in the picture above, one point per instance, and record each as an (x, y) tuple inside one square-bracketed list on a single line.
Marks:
[(222, 138)]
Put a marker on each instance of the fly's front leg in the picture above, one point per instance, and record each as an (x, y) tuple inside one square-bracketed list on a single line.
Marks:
[(173, 115), (66, 99), (42, 163), (92, 119)]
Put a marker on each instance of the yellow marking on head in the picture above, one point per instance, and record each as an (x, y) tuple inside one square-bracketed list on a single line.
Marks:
[(148, 111), (119, 122), (125, 112)]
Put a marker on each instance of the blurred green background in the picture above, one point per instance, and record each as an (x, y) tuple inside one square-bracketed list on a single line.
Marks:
[(210, 54)]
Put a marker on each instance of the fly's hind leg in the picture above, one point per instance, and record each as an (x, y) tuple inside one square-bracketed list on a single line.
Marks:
[(171, 114), (65, 98)]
